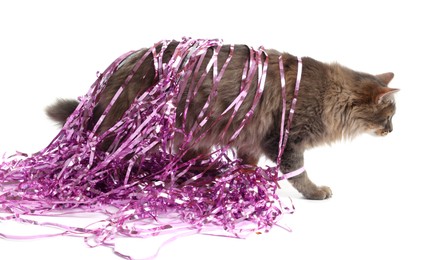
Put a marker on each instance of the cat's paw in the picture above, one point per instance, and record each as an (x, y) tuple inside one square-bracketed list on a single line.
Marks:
[(319, 193)]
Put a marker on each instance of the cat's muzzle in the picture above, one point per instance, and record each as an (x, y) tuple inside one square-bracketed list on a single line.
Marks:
[(383, 132)]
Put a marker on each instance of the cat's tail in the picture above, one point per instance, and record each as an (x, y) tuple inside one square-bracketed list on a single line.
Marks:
[(61, 110)]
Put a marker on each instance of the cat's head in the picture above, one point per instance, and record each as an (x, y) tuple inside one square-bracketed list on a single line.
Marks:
[(375, 104)]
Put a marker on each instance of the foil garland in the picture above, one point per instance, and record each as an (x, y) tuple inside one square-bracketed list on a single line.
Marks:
[(131, 186)]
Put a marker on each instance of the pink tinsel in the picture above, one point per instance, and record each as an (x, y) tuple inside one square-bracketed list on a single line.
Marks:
[(127, 184)]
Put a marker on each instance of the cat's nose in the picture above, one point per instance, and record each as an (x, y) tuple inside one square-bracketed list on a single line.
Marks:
[(388, 127)]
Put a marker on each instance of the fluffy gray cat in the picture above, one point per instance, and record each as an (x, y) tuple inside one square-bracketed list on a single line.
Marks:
[(334, 102)]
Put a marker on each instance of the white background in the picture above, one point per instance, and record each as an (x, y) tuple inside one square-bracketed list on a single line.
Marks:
[(381, 208)]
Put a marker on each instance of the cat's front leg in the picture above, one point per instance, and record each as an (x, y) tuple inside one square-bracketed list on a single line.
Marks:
[(310, 190), (302, 182)]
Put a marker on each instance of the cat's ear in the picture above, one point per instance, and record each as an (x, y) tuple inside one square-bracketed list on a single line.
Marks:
[(385, 93), (385, 77)]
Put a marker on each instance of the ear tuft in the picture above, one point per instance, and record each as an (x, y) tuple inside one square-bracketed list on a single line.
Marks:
[(385, 93)]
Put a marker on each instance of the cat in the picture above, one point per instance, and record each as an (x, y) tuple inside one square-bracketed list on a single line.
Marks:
[(334, 103)]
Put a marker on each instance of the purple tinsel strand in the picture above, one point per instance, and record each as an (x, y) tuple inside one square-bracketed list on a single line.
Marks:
[(72, 173)]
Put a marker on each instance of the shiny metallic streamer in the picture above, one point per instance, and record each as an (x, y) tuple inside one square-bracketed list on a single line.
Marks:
[(135, 188)]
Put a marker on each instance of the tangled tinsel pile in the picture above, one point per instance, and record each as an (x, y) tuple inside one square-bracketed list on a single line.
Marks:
[(128, 184)]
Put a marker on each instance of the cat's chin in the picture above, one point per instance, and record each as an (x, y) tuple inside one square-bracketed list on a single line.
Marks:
[(378, 133)]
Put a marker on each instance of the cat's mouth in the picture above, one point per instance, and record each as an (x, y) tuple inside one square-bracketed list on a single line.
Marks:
[(382, 132)]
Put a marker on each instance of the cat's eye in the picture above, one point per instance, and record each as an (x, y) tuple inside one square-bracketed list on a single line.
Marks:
[(386, 120)]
